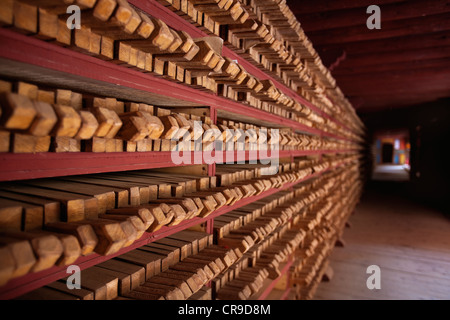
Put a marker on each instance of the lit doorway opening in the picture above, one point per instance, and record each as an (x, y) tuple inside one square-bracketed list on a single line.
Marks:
[(391, 150)]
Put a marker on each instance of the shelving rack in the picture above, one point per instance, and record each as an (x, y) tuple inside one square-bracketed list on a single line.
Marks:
[(172, 19), (34, 60), (36, 280)]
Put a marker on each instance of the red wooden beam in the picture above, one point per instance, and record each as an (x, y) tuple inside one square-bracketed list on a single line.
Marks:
[(441, 52), (302, 7), (380, 103), (442, 63), (389, 76), (286, 294), (389, 29), (431, 83), (49, 164), (338, 61), (390, 101), (397, 95), (358, 16), (398, 98), (377, 103), (401, 133), (402, 85), (407, 42)]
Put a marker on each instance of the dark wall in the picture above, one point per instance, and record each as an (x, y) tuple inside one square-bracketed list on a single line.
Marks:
[(429, 127)]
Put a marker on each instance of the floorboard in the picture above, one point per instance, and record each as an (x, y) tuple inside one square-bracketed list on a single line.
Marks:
[(407, 240)]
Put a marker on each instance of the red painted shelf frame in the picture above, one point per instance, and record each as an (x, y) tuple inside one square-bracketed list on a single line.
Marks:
[(45, 165)]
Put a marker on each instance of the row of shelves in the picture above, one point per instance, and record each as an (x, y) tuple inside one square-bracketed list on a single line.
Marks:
[(74, 70), (174, 20), (29, 282), (31, 59)]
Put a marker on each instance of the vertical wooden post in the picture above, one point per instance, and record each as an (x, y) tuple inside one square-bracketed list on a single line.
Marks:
[(213, 116), (320, 153), (211, 168), (210, 226)]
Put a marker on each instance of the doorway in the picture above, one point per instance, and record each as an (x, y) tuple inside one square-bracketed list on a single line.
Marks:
[(387, 153)]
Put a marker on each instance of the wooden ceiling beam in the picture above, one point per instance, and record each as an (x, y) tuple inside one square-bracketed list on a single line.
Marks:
[(302, 7), (406, 88), (393, 102), (406, 62), (358, 16), (354, 61), (393, 98), (400, 86), (393, 95), (390, 74), (389, 29), (409, 42), (426, 84), (443, 63)]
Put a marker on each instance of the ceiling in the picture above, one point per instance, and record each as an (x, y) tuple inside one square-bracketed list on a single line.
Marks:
[(405, 63)]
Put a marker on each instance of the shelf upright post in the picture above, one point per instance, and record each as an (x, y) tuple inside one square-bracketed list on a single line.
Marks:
[(320, 153), (211, 167), (213, 116), (291, 157)]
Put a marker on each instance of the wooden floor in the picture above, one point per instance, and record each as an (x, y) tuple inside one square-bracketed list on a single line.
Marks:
[(408, 241), (390, 172)]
